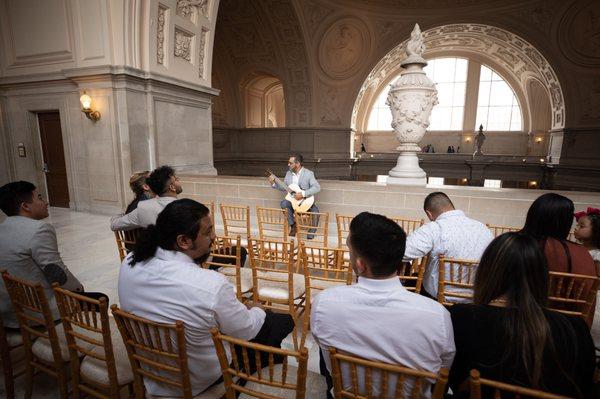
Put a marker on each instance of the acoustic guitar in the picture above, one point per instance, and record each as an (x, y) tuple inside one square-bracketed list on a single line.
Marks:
[(301, 205)]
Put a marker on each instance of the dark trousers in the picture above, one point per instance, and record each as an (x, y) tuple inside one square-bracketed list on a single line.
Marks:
[(325, 373), (287, 205)]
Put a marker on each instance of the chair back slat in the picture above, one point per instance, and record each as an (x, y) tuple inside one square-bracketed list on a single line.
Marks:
[(126, 241), (500, 389), (272, 223), (312, 227), (456, 278), (324, 267), (226, 256), (236, 220), (343, 228), (407, 224), (572, 293), (411, 274), (275, 360), (156, 351), (497, 230), (355, 377)]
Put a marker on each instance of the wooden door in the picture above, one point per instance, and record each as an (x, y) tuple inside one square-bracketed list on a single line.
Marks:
[(54, 159)]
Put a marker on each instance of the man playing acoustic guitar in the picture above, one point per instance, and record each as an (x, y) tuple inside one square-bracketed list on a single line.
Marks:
[(308, 186)]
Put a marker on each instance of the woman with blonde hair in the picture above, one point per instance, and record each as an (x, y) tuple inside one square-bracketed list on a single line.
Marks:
[(509, 335), (137, 183)]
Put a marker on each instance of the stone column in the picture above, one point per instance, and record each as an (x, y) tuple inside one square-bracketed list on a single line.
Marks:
[(411, 100)]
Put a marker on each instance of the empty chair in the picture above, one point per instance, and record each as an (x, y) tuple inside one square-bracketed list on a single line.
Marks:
[(226, 258), (49, 352), (572, 293), (324, 268), (9, 341), (455, 280), (498, 389), (411, 274), (343, 228), (99, 364), (497, 230), (126, 241), (355, 377), (272, 223), (274, 283), (312, 227), (157, 353), (236, 221), (266, 371), (407, 224)]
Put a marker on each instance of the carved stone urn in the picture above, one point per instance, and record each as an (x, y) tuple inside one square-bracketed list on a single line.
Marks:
[(411, 99)]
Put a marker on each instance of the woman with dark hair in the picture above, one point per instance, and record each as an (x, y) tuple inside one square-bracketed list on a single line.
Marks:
[(509, 335), (549, 221)]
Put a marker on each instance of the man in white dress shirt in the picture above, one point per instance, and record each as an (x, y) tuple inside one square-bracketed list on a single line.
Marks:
[(305, 179), (165, 184), (160, 280), (450, 233), (378, 319)]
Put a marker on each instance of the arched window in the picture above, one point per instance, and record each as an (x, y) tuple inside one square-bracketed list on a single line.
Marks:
[(497, 106), (264, 102)]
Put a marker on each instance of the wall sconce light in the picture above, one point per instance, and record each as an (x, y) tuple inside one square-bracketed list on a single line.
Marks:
[(542, 160), (468, 139), (86, 107), (533, 184), (538, 140)]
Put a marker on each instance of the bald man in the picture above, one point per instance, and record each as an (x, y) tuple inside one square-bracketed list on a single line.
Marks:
[(450, 234)]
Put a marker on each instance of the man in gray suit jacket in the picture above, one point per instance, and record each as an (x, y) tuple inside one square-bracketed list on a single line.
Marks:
[(297, 174), (28, 247)]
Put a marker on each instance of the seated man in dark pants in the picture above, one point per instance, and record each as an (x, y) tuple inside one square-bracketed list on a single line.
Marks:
[(160, 281)]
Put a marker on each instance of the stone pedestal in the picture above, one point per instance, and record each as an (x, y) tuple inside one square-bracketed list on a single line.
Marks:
[(407, 171)]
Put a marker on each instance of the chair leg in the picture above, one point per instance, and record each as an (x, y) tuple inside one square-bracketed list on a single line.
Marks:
[(9, 383), (28, 378), (63, 384)]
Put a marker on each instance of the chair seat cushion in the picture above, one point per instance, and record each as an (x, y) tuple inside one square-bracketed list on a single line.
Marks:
[(279, 290), (316, 387), (245, 277), (14, 338), (214, 392), (95, 370), (42, 349)]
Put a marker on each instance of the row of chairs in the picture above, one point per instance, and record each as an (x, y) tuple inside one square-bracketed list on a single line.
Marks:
[(87, 340)]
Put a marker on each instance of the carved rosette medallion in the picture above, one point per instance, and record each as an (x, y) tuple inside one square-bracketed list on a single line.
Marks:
[(344, 47), (160, 36), (411, 99), (183, 45)]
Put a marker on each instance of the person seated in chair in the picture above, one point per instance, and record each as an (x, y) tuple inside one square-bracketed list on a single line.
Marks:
[(141, 190)]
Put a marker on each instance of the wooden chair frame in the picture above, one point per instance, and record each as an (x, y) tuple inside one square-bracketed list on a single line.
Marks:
[(475, 383), (239, 368), (236, 220), (125, 241), (323, 264), (264, 260), (142, 338), (89, 315), (460, 273), (36, 321), (343, 228), (407, 224), (497, 230), (317, 221), (572, 294), (7, 366), (413, 271), (223, 249), (353, 362), (272, 223)]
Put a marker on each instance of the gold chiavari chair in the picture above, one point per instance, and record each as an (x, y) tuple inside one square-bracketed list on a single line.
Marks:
[(236, 221), (226, 258), (211, 207), (99, 363), (456, 279), (500, 389), (411, 274), (9, 341), (497, 230), (274, 283), (126, 241), (408, 225), (355, 377), (572, 294), (312, 227), (266, 370), (323, 268), (343, 228), (49, 352), (272, 223), (157, 351)]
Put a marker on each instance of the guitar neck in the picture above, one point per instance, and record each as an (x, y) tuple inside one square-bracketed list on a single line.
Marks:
[(282, 184)]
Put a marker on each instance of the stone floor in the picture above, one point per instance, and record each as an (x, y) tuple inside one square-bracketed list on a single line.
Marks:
[(88, 248)]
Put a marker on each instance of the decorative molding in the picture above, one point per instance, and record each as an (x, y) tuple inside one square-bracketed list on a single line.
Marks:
[(183, 45), (186, 8), (345, 46), (202, 54), (517, 56), (160, 35), (330, 106), (579, 34)]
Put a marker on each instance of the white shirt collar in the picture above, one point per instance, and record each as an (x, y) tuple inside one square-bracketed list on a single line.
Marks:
[(450, 214), (388, 284), (168, 255)]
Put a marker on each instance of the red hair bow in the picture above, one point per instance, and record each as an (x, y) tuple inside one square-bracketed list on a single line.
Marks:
[(590, 211)]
